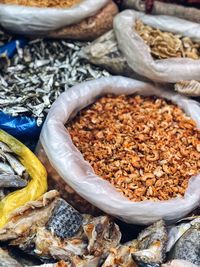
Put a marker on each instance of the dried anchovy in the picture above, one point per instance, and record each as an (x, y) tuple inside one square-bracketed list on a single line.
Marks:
[(39, 73)]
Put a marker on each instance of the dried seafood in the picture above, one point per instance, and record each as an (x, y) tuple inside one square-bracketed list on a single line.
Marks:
[(94, 242), (40, 73), (51, 229), (12, 173), (146, 147), (184, 240), (165, 45), (189, 88), (42, 3), (7, 261)]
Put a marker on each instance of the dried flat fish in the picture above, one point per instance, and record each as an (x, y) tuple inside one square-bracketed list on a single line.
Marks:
[(39, 73), (11, 181), (189, 88)]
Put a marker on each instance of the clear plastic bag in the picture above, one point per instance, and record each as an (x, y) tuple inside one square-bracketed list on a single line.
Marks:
[(69, 163), (35, 20), (138, 55)]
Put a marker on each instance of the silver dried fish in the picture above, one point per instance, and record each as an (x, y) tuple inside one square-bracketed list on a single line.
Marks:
[(38, 74)]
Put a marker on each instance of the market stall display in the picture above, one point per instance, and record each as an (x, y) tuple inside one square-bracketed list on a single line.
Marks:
[(138, 53), (33, 80), (69, 164), (115, 178)]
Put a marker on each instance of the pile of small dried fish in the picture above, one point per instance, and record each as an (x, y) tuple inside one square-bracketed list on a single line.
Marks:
[(165, 45), (12, 173), (40, 73)]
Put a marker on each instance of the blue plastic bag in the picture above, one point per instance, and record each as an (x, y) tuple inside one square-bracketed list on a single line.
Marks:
[(22, 127)]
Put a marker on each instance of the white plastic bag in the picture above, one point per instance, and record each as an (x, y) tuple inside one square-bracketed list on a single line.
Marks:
[(138, 55), (36, 20), (77, 173)]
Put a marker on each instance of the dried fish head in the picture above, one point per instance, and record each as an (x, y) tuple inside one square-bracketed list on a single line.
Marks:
[(151, 247), (102, 234), (185, 241)]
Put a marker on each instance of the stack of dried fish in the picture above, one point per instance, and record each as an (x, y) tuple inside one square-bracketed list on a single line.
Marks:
[(165, 45), (12, 173), (40, 73)]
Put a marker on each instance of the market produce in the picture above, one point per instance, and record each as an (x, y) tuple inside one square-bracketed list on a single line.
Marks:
[(167, 45), (56, 230), (91, 28), (165, 8), (39, 73), (178, 263), (19, 166), (184, 240), (140, 138), (95, 240), (168, 66), (75, 176), (42, 3), (104, 52), (189, 88)]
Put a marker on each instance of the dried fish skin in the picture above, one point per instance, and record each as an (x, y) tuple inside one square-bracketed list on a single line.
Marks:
[(188, 88), (188, 246), (15, 164), (6, 260), (102, 234), (5, 168), (65, 221), (11, 181), (121, 256), (152, 244), (27, 218)]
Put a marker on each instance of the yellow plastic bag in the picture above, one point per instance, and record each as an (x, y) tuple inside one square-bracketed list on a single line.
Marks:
[(36, 187)]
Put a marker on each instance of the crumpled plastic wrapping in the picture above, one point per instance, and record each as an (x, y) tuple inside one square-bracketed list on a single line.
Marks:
[(138, 54), (35, 188), (34, 20), (23, 128), (69, 163)]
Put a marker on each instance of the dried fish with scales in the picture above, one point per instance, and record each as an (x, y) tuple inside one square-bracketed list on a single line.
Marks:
[(165, 45), (40, 73)]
